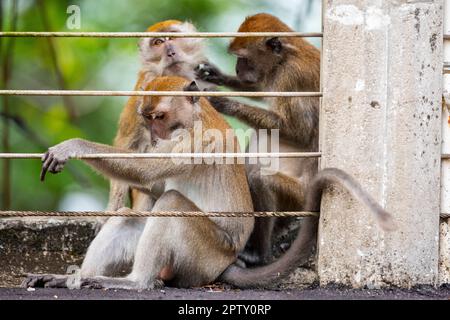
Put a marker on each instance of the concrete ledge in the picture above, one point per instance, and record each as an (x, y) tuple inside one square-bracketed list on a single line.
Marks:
[(50, 245), (41, 245)]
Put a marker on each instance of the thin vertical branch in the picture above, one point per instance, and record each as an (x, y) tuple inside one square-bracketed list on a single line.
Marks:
[(34, 138), (68, 103), (7, 62)]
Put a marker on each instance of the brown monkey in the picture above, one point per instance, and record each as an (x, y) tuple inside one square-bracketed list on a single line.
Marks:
[(274, 64), (159, 56), (185, 251)]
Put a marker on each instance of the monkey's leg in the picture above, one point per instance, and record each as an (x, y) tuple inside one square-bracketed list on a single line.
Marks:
[(173, 248), (276, 192), (152, 254), (113, 249), (118, 192), (111, 252)]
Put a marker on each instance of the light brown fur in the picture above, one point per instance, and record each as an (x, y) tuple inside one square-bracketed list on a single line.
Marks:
[(131, 136), (183, 251), (296, 67), (281, 64)]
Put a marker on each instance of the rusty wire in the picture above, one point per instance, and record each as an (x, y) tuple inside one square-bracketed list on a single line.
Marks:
[(159, 34), (137, 214)]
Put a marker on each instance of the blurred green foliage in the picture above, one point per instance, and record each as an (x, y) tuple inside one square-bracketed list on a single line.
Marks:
[(96, 64)]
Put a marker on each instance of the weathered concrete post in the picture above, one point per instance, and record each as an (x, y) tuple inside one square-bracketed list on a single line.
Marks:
[(444, 244), (381, 122)]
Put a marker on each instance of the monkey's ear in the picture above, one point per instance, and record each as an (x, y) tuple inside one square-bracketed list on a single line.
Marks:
[(274, 44), (192, 87)]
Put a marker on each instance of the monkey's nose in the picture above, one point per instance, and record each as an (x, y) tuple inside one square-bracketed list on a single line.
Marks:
[(170, 53)]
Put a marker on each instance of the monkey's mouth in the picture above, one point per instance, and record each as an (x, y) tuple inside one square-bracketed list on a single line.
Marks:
[(174, 63)]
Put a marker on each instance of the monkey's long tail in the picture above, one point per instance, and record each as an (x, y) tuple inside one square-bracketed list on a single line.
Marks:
[(301, 248)]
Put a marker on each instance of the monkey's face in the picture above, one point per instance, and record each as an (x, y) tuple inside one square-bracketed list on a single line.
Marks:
[(163, 116), (170, 52), (257, 58)]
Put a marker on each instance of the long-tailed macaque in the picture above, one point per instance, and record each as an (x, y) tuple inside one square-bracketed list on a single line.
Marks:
[(159, 57), (274, 64), (182, 251)]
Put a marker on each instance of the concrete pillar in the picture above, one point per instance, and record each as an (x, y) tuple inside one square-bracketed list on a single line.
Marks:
[(381, 122), (444, 245)]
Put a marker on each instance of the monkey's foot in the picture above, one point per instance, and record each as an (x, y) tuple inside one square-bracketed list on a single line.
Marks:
[(240, 263), (45, 281), (118, 283)]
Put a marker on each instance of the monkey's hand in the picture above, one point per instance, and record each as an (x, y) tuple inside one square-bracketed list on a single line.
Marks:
[(222, 105), (209, 73), (55, 158)]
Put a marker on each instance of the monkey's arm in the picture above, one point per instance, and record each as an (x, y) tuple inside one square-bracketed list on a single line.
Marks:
[(135, 171), (210, 73), (118, 193), (302, 132), (255, 117)]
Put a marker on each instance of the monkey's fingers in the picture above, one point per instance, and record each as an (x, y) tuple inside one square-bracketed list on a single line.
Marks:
[(56, 166), (56, 283), (219, 103), (90, 284), (36, 280), (45, 166), (45, 156), (207, 72)]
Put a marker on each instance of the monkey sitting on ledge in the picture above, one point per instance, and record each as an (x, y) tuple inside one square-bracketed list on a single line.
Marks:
[(159, 57), (184, 252), (274, 64)]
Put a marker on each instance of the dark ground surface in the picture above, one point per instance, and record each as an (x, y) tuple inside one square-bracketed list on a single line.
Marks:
[(330, 293)]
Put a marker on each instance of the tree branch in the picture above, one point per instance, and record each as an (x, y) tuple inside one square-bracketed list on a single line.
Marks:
[(71, 108)]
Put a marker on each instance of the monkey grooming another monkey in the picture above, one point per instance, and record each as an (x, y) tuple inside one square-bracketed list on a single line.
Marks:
[(185, 251), (274, 64), (159, 56)]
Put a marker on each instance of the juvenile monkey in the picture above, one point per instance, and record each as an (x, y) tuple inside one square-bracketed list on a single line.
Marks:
[(274, 64), (185, 251), (159, 56)]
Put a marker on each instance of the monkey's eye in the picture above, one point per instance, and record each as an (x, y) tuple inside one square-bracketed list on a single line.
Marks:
[(147, 116), (154, 116), (158, 116), (274, 44), (157, 42)]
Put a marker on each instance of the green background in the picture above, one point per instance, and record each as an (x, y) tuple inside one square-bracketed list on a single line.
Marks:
[(36, 123)]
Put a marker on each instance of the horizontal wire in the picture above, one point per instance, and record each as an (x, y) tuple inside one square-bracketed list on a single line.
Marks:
[(33, 34), (156, 93), (172, 155), (137, 214), (180, 155), (130, 213)]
